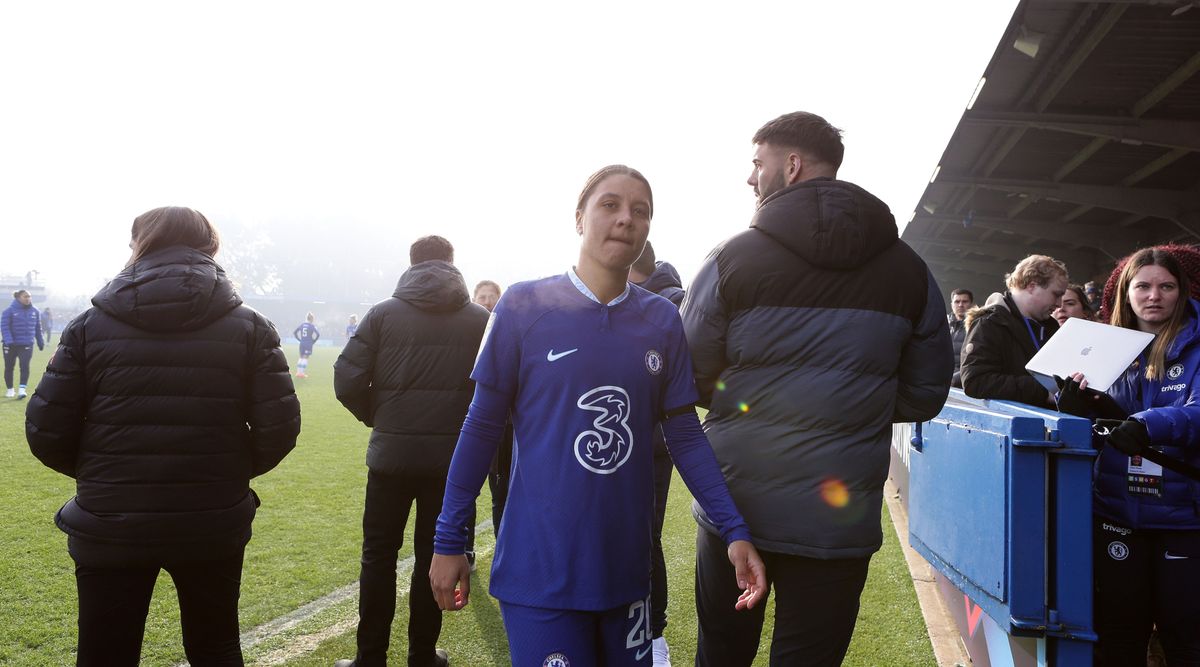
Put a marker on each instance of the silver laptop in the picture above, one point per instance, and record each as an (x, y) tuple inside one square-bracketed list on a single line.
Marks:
[(1101, 352)]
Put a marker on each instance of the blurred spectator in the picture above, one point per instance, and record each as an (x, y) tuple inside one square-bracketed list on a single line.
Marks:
[(487, 293), (961, 301), (1091, 295), (1009, 329), (1074, 304), (47, 324), (352, 327)]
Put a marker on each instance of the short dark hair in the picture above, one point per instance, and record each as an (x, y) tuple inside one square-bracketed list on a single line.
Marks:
[(645, 262), (429, 248), (807, 132), (969, 293), (612, 170)]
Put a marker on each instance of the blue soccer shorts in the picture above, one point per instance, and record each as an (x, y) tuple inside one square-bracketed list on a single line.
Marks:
[(540, 637)]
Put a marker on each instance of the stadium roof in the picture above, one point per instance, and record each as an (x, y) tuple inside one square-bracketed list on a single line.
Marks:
[(1082, 142)]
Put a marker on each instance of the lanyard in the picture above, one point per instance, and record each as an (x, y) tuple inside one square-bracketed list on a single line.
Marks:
[(1036, 345)]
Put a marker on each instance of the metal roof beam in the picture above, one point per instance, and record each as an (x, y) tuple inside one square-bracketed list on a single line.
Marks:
[(1074, 233), (1015, 251), (993, 269), (1183, 134), (1169, 204)]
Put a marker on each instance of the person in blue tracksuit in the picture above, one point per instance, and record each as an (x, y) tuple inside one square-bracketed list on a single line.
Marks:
[(1147, 518), (308, 336), (586, 364), (21, 327)]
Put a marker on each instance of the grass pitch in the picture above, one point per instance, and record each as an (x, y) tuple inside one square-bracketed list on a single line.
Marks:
[(298, 604)]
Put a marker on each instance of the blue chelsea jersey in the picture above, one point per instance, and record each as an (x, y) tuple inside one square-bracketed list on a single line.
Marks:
[(306, 332), (588, 384)]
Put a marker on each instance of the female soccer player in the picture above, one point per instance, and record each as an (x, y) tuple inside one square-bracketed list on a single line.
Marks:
[(587, 365), (308, 335)]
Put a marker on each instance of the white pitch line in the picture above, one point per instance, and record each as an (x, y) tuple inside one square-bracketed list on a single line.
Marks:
[(282, 624)]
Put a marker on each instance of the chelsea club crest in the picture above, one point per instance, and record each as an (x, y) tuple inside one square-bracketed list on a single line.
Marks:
[(654, 362), (1175, 371), (556, 660)]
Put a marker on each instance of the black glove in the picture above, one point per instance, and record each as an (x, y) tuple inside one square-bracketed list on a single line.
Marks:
[(1086, 402), (1071, 399), (1128, 437)]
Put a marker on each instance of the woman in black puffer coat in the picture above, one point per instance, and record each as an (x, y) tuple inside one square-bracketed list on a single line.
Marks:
[(162, 401)]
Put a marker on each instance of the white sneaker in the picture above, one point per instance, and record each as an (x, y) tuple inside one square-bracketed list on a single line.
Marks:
[(21, 393), (662, 653), (10, 393)]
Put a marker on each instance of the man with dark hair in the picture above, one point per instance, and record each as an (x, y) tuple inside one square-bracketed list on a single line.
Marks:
[(406, 373), (811, 332), (961, 300), (429, 248), (662, 279)]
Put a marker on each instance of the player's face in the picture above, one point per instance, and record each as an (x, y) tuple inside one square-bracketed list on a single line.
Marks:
[(487, 296), (1069, 307), (769, 174), (1153, 295), (615, 222), (25, 299)]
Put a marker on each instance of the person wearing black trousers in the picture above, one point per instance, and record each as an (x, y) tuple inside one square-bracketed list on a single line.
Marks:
[(162, 401)]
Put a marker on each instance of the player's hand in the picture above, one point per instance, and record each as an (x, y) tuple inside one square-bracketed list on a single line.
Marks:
[(750, 571), (450, 578)]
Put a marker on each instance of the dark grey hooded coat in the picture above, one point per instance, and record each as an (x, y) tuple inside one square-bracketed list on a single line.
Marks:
[(406, 372), (811, 333)]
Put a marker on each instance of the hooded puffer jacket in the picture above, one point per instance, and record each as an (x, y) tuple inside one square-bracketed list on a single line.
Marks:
[(1170, 409), (406, 372), (665, 282), (21, 325), (811, 333), (163, 400)]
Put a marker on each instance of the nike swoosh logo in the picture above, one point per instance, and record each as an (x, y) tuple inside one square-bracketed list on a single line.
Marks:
[(551, 356), (641, 654), (1168, 556)]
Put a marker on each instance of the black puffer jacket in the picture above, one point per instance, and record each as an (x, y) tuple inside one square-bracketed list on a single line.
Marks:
[(996, 350), (406, 372), (162, 401), (812, 332)]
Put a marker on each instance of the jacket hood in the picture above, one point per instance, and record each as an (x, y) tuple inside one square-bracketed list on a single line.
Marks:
[(829, 223), (433, 286), (173, 289), (664, 276)]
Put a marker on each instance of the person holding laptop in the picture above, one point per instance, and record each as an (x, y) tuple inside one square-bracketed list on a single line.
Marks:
[(1010, 328), (1147, 518)]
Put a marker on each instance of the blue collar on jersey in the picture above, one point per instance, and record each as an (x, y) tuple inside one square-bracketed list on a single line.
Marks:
[(583, 289)]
